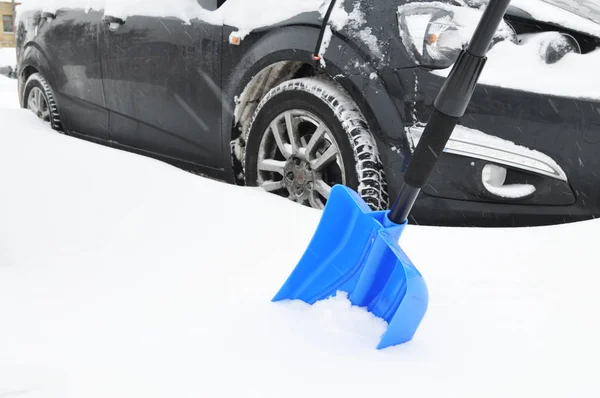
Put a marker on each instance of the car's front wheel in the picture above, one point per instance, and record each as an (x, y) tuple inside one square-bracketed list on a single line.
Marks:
[(39, 98), (308, 135)]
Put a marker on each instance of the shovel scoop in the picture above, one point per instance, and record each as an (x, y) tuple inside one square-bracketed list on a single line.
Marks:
[(355, 249)]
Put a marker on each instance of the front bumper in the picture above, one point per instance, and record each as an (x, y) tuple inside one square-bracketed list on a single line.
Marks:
[(547, 142)]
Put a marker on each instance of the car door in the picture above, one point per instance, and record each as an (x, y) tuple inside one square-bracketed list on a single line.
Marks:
[(162, 82), (69, 39)]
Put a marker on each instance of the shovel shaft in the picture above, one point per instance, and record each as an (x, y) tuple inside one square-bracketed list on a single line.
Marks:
[(450, 105)]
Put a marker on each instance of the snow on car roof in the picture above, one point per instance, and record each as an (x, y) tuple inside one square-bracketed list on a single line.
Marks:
[(241, 14)]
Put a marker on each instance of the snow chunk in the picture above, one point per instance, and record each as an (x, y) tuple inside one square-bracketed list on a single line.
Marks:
[(8, 57), (336, 318), (494, 177), (512, 191)]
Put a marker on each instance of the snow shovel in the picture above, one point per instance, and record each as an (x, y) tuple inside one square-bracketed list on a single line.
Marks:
[(355, 250)]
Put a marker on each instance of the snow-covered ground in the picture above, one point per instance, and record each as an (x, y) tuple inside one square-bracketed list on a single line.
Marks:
[(8, 97), (121, 276), (8, 57)]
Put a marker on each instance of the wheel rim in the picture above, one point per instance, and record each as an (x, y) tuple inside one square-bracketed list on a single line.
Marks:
[(299, 159), (36, 103)]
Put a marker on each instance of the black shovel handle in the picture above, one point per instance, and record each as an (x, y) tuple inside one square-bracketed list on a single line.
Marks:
[(450, 105)]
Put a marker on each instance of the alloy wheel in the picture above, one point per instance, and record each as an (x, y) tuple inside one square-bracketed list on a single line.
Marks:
[(36, 103), (299, 159)]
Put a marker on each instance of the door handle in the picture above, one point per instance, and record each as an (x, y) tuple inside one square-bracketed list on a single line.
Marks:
[(112, 20)]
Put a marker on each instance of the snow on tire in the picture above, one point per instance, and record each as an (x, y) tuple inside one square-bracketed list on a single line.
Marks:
[(361, 166)]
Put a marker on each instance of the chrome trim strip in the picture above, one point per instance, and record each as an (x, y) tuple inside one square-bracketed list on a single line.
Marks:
[(476, 144)]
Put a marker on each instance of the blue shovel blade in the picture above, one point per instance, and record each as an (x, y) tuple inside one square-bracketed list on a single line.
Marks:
[(355, 250)]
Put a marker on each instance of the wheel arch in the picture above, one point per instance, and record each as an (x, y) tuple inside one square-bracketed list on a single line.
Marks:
[(286, 53), (34, 60)]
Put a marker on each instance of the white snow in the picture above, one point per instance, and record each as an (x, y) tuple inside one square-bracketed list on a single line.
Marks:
[(8, 96), (121, 276), (569, 77), (327, 34), (546, 12), (8, 57), (511, 191), (494, 178), (521, 66)]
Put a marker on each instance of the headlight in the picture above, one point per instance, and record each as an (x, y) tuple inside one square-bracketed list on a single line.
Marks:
[(434, 33)]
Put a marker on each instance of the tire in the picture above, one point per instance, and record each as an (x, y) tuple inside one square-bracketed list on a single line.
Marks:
[(310, 103), (38, 84)]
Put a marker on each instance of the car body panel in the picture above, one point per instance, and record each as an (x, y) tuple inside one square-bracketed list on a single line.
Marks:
[(350, 70), (565, 129), (161, 76), (178, 92), (65, 50)]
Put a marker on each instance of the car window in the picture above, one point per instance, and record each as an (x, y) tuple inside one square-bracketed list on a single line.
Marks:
[(7, 22)]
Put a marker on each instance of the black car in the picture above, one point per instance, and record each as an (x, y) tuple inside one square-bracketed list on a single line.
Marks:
[(307, 102)]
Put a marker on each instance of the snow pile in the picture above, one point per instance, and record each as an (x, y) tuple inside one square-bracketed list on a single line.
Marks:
[(8, 97), (8, 57), (121, 276)]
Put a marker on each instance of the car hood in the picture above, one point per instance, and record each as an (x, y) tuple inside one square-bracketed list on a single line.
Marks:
[(579, 15), (584, 8)]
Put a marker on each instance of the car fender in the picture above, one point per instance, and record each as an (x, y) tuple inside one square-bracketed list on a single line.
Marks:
[(34, 57), (345, 61)]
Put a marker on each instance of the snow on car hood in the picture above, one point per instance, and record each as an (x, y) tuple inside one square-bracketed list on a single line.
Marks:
[(579, 15), (522, 66), (584, 8)]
